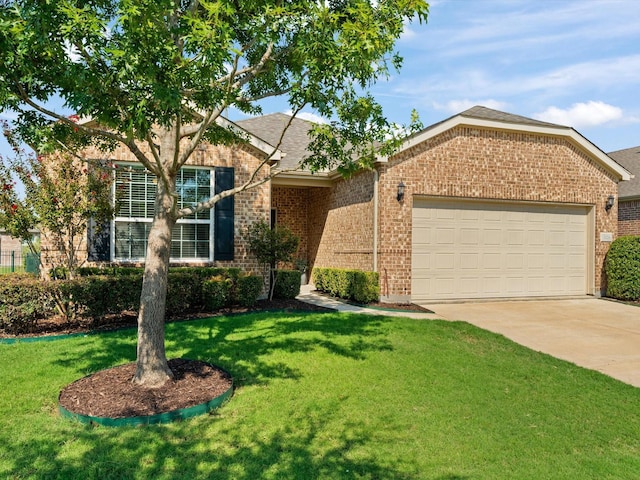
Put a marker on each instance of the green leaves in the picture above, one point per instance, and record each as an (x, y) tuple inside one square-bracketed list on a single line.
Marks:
[(61, 193), (622, 267), (136, 65)]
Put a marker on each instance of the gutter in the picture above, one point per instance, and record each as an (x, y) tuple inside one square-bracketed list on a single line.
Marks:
[(376, 186)]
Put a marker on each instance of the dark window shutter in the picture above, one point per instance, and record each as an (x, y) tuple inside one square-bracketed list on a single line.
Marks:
[(98, 242), (223, 215)]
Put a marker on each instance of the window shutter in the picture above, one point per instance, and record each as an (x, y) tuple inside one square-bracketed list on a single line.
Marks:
[(223, 215), (98, 241)]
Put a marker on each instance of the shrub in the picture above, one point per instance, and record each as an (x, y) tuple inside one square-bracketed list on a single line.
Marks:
[(24, 299), (97, 296), (184, 292), (216, 292), (247, 290), (287, 284), (363, 287), (622, 267)]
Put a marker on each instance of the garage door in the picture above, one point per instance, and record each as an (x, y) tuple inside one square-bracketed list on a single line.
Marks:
[(474, 249)]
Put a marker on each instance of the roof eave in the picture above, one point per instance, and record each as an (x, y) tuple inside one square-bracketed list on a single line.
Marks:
[(302, 178)]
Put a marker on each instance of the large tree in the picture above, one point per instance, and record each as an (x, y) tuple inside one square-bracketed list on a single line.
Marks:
[(156, 76)]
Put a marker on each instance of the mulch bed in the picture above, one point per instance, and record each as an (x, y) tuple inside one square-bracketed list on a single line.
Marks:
[(112, 394)]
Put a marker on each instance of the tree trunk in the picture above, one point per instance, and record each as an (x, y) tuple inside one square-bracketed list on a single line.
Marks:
[(152, 369)]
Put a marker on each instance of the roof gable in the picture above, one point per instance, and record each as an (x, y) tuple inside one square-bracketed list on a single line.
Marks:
[(480, 116)]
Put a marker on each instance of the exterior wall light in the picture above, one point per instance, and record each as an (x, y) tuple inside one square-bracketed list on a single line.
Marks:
[(610, 201), (400, 196)]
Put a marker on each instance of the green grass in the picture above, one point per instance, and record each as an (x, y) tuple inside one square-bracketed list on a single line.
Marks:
[(331, 396)]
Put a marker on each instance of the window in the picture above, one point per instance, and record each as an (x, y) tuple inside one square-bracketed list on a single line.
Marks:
[(191, 237)]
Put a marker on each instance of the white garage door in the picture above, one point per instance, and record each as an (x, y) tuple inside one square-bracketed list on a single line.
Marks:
[(476, 249)]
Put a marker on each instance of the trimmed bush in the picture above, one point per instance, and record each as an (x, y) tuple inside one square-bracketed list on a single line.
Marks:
[(184, 292), (365, 287), (24, 299), (216, 292), (247, 289), (622, 267), (287, 284), (357, 285)]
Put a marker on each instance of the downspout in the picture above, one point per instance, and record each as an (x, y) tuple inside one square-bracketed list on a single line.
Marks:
[(376, 186)]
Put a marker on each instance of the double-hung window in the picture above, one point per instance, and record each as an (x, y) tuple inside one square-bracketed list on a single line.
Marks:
[(136, 188)]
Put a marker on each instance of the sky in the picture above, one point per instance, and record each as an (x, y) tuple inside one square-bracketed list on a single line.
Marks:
[(569, 62)]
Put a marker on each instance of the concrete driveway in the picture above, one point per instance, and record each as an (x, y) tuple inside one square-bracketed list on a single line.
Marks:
[(593, 333)]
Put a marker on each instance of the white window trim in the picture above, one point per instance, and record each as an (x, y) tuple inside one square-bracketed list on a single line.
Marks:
[(137, 260)]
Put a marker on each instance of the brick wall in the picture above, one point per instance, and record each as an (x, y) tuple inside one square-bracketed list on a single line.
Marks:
[(250, 206), (9, 244), (629, 217), (481, 163), (341, 224), (291, 205)]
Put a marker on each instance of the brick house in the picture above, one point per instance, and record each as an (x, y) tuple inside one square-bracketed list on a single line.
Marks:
[(629, 192), (492, 205), (482, 205)]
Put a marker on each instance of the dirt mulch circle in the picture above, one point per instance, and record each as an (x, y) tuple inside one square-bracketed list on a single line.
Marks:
[(112, 394)]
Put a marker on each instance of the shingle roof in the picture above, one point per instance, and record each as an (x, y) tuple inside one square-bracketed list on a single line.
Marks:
[(485, 113), (269, 128), (629, 158)]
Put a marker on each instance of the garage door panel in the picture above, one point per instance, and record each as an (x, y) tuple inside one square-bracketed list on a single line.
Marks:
[(491, 261), (476, 249), (445, 236), (469, 261), (492, 237), (470, 236), (444, 261)]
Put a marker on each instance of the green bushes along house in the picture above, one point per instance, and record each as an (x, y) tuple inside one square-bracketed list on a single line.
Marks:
[(356, 285), (25, 299), (622, 267)]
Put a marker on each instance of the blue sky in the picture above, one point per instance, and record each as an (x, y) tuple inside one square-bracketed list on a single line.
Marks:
[(571, 62)]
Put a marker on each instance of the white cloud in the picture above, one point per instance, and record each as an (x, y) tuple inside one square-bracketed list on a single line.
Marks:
[(312, 117), (587, 114), (457, 106)]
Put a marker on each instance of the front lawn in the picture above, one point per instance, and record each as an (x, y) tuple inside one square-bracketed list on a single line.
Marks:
[(331, 396)]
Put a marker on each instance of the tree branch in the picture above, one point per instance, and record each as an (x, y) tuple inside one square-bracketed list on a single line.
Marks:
[(94, 132), (251, 182)]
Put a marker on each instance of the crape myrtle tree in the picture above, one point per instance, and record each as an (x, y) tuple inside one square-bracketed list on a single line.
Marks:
[(60, 194), (156, 76)]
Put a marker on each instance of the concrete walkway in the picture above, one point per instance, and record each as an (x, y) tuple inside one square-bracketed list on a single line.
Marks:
[(594, 333), (309, 296)]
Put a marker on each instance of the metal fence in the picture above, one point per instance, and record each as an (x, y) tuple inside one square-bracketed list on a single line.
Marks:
[(16, 262)]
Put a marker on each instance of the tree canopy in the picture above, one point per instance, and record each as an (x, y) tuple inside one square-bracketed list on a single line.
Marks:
[(135, 65), (156, 76)]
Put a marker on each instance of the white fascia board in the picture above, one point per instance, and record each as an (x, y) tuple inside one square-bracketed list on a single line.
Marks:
[(303, 179), (607, 162)]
